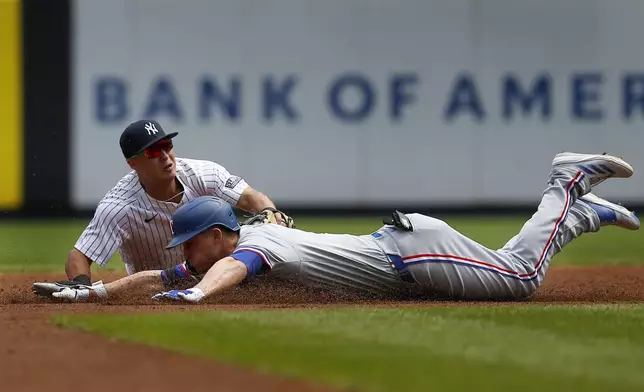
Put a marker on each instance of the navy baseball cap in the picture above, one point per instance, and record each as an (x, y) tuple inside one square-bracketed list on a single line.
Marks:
[(140, 135), (199, 215)]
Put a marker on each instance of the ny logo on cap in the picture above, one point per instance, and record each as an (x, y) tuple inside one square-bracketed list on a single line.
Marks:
[(151, 128)]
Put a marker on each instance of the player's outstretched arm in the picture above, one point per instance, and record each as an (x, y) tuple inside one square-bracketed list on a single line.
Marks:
[(236, 191), (143, 283), (223, 275), (252, 200), (136, 284)]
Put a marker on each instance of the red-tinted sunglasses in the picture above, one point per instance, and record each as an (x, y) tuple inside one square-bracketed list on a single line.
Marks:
[(154, 151)]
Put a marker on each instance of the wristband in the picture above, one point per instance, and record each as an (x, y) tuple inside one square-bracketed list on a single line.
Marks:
[(100, 290)]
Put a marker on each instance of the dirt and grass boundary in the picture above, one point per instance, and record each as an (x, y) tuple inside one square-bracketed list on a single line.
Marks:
[(37, 355)]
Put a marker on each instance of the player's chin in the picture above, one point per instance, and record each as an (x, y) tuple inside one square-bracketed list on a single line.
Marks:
[(166, 174)]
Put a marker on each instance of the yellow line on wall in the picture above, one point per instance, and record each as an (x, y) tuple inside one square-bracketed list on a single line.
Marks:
[(11, 143)]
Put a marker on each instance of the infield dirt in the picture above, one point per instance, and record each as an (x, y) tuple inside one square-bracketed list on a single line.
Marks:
[(36, 355)]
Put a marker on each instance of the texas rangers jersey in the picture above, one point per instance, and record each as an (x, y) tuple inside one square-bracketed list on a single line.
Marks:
[(429, 255), (131, 222), (331, 260)]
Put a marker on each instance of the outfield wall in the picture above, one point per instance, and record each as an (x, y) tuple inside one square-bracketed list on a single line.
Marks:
[(370, 103)]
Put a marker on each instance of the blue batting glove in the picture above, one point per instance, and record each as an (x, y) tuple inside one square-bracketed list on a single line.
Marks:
[(190, 295), (172, 294)]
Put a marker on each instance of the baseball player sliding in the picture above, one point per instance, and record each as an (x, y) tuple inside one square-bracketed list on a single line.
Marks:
[(134, 216), (410, 254)]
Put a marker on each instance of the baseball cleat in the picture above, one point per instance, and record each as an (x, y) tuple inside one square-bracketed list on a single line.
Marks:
[(597, 167), (45, 289), (611, 214)]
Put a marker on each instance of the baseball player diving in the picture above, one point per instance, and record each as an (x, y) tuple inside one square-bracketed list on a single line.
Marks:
[(410, 254), (134, 216)]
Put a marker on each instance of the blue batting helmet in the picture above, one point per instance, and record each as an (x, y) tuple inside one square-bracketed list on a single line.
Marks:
[(199, 215)]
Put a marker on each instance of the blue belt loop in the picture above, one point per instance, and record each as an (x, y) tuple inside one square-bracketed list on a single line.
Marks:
[(400, 266)]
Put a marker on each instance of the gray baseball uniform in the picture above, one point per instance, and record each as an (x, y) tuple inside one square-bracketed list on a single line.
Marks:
[(434, 258)]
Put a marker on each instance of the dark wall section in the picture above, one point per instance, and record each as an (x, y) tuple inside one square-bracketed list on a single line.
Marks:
[(46, 47)]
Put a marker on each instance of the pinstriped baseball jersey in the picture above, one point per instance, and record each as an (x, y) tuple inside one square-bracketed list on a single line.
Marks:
[(329, 260), (129, 221)]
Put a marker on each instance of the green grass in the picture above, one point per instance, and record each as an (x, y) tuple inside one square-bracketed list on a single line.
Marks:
[(40, 246), (32, 246), (526, 348)]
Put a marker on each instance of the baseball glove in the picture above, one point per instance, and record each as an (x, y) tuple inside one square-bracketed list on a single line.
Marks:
[(269, 215)]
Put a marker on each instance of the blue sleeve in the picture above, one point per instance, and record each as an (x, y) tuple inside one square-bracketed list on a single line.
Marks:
[(254, 260)]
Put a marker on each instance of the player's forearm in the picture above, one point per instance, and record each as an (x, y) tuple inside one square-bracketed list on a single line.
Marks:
[(132, 285), (140, 283), (222, 276), (144, 282), (77, 264), (253, 200)]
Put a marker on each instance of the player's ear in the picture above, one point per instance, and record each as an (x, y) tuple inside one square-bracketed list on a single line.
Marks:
[(217, 233), (131, 163)]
